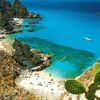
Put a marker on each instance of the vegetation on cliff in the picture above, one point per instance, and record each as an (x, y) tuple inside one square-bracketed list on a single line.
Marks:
[(9, 71), (76, 87), (18, 10), (5, 19), (8, 11)]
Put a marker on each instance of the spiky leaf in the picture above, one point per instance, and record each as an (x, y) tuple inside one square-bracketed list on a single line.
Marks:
[(97, 78), (74, 87)]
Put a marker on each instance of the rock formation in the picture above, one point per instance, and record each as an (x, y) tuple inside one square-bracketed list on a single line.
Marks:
[(33, 15), (5, 19), (24, 56), (9, 11), (9, 71), (18, 10)]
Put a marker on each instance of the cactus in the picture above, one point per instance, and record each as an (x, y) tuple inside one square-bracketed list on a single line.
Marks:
[(90, 95), (75, 87), (97, 78)]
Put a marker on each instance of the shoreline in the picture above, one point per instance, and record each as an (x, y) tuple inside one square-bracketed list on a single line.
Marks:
[(18, 21), (42, 84)]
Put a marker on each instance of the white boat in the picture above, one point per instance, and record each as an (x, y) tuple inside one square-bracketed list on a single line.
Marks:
[(88, 39)]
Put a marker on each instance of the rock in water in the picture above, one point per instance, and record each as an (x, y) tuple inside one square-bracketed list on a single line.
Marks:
[(24, 56), (33, 15)]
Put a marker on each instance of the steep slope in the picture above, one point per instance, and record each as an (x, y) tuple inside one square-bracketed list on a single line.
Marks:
[(18, 10), (5, 19)]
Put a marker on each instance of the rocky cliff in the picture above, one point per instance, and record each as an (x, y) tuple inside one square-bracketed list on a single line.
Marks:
[(24, 56), (8, 11), (18, 10), (5, 19), (9, 71)]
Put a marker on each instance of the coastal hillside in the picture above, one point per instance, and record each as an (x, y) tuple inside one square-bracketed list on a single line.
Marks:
[(52, 54), (23, 83), (5, 19), (8, 11), (18, 10)]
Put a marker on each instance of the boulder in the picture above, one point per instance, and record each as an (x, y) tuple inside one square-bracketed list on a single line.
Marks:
[(33, 15), (27, 26), (30, 30)]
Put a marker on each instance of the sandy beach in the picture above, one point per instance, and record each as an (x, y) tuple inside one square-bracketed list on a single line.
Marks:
[(45, 87), (42, 85)]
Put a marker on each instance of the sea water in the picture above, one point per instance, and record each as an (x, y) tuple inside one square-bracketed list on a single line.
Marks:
[(63, 32)]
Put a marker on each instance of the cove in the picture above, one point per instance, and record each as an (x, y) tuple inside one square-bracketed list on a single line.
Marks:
[(62, 32)]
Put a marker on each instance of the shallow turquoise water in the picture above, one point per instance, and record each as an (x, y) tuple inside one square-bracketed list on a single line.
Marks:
[(62, 32)]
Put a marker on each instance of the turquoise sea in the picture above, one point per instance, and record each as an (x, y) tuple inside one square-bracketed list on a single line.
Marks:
[(62, 32)]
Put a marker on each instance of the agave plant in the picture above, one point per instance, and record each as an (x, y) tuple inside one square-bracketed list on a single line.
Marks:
[(75, 87)]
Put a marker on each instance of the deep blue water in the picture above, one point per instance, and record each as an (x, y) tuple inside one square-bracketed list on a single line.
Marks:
[(66, 24)]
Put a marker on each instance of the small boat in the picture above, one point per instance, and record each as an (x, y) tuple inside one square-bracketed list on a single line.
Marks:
[(88, 39)]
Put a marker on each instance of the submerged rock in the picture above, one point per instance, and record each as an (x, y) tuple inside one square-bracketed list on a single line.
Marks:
[(27, 26), (33, 22), (98, 13), (30, 30)]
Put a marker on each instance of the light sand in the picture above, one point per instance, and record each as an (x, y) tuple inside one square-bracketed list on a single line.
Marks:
[(45, 87), (18, 21), (42, 85)]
